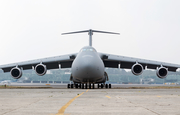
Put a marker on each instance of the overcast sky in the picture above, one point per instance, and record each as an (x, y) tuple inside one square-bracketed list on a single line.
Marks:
[(31, 29)]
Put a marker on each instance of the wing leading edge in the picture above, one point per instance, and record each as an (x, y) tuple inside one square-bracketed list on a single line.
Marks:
[(113, 61)]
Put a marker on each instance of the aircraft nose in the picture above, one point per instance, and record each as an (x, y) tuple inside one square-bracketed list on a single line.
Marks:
[(88, 68), (88, 65)]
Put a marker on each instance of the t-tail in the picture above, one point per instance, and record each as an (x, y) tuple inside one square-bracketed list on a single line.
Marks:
[(90, 33)]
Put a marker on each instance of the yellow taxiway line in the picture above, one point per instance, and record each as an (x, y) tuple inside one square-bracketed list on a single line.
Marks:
[(63, 108), (158, 96), (108, 96)]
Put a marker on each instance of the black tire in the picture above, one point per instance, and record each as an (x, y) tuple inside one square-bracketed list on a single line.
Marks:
[(72, 85), (89, 85), (102, 85), (106, 86), (109, 85), (93, 85), (98, 85), (82, 85), (68, 86), (86, 85), (76, 85)]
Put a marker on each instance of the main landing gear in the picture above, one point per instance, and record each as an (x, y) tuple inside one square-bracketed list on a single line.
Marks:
[(89, 85), (104, 85)]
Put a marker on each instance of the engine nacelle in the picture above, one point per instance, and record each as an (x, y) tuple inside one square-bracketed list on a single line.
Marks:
[(137, 69), (16, 73), (40, 69), (162, 72)]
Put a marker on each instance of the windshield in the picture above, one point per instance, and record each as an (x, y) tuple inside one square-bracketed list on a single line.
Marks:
[(83, 50)]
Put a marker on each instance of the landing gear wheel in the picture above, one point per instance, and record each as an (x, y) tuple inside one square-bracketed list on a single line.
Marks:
[(72, 85), (82, 86), (68, 85), (93, 85), (98, 85), (86, 85), (109, 85), (89, 85), (102, 85), (76, 85), (106, 86)]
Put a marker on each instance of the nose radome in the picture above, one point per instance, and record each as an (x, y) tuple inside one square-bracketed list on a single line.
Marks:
[(88, 68), (87, 65)]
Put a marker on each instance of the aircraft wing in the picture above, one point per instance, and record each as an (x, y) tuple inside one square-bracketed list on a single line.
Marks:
[(113, 61), (51, 63)]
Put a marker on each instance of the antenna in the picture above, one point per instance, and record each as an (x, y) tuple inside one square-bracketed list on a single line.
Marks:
[(90, 33)]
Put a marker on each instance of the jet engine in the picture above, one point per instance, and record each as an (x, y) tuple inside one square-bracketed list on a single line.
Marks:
[(16, 73), (137, 69), (40, 69), (162, 72)]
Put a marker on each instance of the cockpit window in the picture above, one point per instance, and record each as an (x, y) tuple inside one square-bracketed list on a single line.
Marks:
[(92, 50)]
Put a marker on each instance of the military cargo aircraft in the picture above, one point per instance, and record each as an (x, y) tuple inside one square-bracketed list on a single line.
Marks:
[(88, 66)]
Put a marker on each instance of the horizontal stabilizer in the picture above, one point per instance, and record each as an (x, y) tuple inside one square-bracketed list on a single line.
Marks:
[(75, 32), (105, 32), (90, 33)]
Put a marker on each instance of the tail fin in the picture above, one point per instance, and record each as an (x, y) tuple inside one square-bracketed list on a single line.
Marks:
[(90, 33)]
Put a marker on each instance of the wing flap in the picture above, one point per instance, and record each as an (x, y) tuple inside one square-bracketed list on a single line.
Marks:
[(25, 67), (173, 69), (7, 69), (126, 65), (51, 63), (151, 66), (127, 62), (112, 64), (66, 64)]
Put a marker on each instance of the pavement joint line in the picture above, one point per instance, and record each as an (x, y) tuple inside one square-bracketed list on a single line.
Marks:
[(63, 108), (141, 106), (20, 107), (108, 96)]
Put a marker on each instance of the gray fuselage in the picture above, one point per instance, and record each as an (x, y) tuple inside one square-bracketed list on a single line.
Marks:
[(88, 67)]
